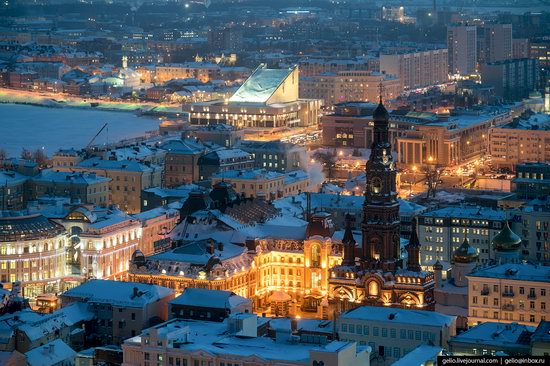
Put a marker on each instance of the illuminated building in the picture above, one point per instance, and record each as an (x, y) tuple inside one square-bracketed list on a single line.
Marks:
[(32, 251), (494, 42), (416, 69), (267, 99), (526, 139), (264, 184), (296, 267), (181, 161), (462, 45), (223, 160), (380, 278), (510, 291), (203, 72), (275, 155), (121, 309), (12, 191), (128, 178), (101, 242), (237, 341), (512, 79), (156, 224), (393, 333), (350, 86), (442, 231), (416, 136), (88, 188)]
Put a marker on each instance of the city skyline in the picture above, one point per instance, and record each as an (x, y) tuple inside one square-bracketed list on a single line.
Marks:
[(246, 183)]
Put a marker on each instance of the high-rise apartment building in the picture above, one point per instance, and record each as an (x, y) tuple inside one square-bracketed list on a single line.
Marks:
[(494, 43), (417, 69), (462, 45), (511, 79)]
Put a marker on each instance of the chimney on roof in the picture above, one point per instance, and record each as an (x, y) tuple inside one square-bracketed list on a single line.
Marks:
[(135, 293), (210, 246), (220, 246), (293, 325)]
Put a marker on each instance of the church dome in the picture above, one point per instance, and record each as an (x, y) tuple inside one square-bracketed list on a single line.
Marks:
[(506, 240), (380, 113), (465, 253)]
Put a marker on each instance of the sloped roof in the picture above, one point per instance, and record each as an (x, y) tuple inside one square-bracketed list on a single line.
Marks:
[(261, 85)]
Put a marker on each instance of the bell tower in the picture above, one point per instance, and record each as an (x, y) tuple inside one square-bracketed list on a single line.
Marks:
[(380, 227)]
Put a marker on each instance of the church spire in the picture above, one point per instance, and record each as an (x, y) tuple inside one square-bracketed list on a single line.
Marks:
[(413, 250), (349, 244)]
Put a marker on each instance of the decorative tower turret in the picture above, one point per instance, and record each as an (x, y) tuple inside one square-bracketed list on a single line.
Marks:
[(413, 250)]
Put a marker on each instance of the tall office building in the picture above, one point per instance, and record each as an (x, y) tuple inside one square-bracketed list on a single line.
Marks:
[(462, 45)]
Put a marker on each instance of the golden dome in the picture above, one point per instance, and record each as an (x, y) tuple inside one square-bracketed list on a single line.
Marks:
[(465, 253)]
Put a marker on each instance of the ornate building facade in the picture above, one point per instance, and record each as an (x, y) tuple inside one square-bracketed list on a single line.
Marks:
[(297, 268), (379, 278)]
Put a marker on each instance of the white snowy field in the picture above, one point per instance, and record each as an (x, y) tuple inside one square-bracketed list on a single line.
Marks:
[(33, 127)]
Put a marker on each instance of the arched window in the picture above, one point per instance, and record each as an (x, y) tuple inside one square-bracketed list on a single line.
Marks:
[(373, 288), (315, 256)]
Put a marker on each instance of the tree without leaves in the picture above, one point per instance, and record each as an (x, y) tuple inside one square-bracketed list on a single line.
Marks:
[(433, 175), (40, 157)]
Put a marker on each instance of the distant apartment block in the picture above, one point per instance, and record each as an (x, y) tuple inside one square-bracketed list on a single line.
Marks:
[(417, 69), (512, 79), (350, 86), (462, 45)]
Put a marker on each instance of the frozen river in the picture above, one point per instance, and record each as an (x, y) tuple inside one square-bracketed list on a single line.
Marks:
[(53, 128)]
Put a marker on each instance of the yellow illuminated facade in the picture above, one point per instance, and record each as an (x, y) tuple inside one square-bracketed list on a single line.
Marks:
[(298, 268)]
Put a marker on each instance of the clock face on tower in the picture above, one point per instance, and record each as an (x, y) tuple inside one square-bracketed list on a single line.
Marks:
[(376, 185)]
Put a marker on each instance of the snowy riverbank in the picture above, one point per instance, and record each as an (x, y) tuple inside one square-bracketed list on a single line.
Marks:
[(8, 96)]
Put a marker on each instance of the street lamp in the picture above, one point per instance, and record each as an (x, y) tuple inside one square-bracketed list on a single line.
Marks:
[(413, 183)]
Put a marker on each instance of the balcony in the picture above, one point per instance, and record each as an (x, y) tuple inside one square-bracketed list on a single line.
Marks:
[(508, 294), (485, 292), (532, 296), (508, 307)]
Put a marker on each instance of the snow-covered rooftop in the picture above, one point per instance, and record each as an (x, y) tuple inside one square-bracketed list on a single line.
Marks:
[(205, 298), (250, 174), (468, 212), (398, 316), (118, 293), (419, 356), (212, 337), (515, 271), (496, 334), (51, 176), (196, 253), (53, 353)]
